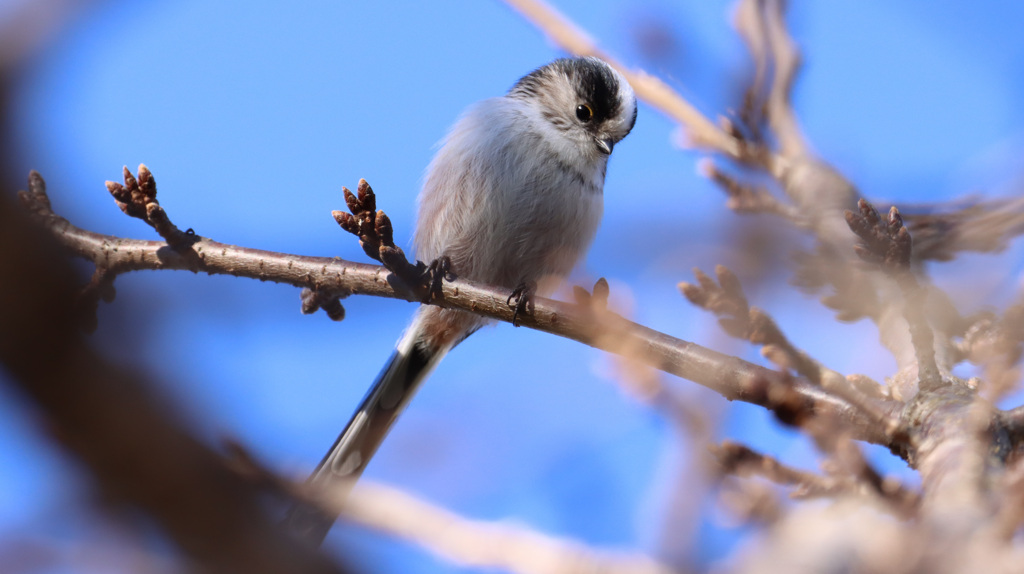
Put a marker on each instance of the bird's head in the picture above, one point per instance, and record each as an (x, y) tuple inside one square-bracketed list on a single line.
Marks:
[(585, 99)]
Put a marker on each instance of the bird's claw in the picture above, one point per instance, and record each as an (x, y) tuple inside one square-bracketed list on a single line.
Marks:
[(523, 296), (437, 271)]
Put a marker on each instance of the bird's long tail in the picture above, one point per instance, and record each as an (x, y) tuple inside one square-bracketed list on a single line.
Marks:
[(395, 386)]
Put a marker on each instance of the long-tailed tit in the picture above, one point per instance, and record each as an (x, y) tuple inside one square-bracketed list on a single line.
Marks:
[(513, 198)]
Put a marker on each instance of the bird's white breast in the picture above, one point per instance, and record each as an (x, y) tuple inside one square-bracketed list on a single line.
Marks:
[(509, 198)]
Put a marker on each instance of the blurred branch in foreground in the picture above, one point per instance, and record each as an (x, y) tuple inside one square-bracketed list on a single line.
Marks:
[(136, 451), (108, 418), (456, 539)]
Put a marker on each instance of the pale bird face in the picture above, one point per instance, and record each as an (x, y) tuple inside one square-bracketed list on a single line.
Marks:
[(584, 99)]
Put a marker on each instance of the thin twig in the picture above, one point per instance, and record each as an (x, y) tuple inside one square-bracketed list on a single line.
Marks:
[(945, 230), (787, 64), (727, 300), (741, 460), (889, 245), (747, 198), (749, 24), (137, 198), (902, 500)]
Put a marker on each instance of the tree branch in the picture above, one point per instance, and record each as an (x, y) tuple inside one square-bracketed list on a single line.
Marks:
[(731, 377), (737, 318)]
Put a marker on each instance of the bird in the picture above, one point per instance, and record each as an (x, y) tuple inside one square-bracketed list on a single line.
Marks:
[(512, 199)]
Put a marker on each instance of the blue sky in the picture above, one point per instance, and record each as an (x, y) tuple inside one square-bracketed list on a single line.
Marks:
[(252, 115)]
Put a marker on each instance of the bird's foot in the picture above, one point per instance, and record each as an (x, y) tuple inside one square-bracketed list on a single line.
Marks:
[(523, 297), (434, 276)]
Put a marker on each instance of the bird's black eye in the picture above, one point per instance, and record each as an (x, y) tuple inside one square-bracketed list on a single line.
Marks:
[(584, 113)]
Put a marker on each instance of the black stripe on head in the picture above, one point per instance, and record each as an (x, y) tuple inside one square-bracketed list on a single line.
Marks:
[(593, 81), (595, 84)]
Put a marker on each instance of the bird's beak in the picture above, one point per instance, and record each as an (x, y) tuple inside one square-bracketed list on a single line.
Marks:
[(605, 145)]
